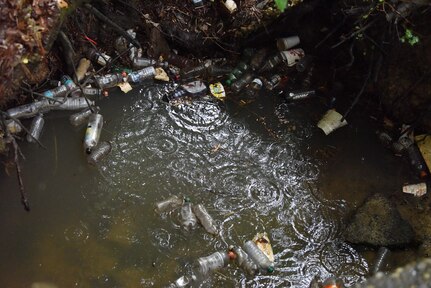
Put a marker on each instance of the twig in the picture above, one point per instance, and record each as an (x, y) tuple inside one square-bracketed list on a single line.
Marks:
[(17, 152), (40, 94), (353, 34), (24, 199)]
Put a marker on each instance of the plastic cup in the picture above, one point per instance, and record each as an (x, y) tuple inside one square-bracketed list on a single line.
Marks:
[(284, 44)]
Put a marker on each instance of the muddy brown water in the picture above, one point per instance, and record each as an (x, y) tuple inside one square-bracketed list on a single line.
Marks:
[(260, 167)]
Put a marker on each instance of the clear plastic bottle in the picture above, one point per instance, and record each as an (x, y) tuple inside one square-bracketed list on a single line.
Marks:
[(59, 91), (73, 104), (169, 204), (192, 89), (197, 71), (142, 62), (29, 110), (242, 82), (188, 218), (90, 91), (100, 58), (300, 95), (99, 152), (212, 262), (244, 261), (92, 133), (141, 75), (236, 73), (82, 116), (36, 128), (258, 256), (272, 62), (205, 219), (108, 80), (273, 82)]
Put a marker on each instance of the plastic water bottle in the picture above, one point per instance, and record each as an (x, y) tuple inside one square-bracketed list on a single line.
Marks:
[(244, 261), (29, 110), (142, 62), (141, 75), (36, 128), (108, 80), (205, 219), (188, 218), (300, 95), (273, 82), (193, 89), (82, 116), (242, 82), (99, 152), (90, 91), (74, 104), (212, 262), (237, 72), (92, 133), (258, 256), (196, 71), (169, 204), (272, 62)]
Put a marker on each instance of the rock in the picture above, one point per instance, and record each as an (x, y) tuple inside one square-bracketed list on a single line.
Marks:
[(379, 223)]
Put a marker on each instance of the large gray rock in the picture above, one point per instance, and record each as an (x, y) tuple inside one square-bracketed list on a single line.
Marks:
[(379, 223)]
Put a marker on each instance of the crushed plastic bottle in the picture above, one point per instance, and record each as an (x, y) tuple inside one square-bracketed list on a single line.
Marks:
[(258, 256), (36, 128), (92, 133), (192, 89), (108, 80), (99, 152), (141, 75), (244, 261), (205, 219), (183, 281), (188, 218), (169, 204), (142, 62), (82, 116), (212, 262), (62, 90)]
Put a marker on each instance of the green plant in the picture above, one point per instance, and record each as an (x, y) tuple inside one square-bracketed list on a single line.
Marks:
[(281, 4), (409, 37)]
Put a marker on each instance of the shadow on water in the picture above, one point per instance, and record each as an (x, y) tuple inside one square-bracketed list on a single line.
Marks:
[(263, 167)]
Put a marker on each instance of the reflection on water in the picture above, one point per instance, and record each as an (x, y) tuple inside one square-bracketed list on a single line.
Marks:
[(97, 227)]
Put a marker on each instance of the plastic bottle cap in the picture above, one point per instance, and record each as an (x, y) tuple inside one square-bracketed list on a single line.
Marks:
[(187, 199), (228, 82), (232, 255), (124, 74), (270, 269)]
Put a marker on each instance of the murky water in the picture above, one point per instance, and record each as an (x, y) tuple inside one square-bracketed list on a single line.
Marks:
[(262, 167)]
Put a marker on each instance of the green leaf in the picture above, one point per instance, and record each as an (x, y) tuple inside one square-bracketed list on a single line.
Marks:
[(281, 4)]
